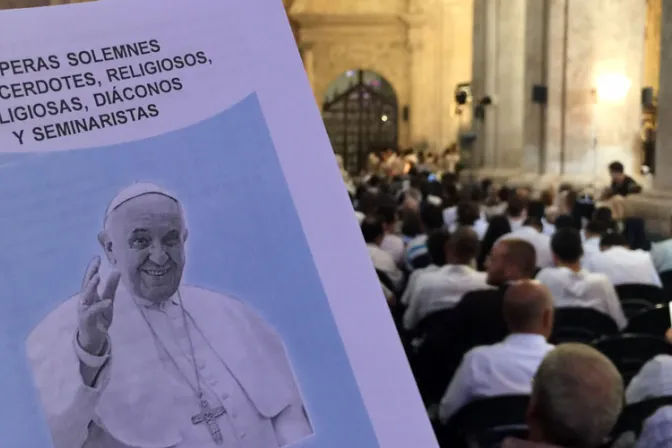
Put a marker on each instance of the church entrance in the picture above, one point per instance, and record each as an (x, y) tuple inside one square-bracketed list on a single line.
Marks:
[(360, 114)]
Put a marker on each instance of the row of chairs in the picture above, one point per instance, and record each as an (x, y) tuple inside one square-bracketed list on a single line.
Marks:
[(485, 423), (636, 298), (578, 324)]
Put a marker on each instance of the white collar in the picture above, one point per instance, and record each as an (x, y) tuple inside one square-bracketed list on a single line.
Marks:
[(570, 271), (171, 301), (459, 268), (526, 339), (618, 249)]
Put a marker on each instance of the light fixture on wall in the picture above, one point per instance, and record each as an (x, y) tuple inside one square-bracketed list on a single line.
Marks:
[(612, 87)]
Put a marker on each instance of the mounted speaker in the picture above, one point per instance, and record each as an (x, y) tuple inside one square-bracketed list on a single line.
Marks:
[(647, 97), (539, 94)]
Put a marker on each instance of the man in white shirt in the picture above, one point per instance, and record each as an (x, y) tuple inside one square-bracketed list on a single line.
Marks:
[(532, 233), (592, 235), (431, 218), (621, 264), (515, 211), (469, 215), (572, 286), (442, 289), (661, 254), (576, 399), (436, 248), (392, 243), (537, 209), (653, 380), (142, 360), (372, 230), (506, 368)]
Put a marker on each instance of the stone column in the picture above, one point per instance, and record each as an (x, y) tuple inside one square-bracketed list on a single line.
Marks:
[(509, 58), (479, 68), (418, 85), (510, 84), (534, 113), (662, 180), (456, 57), (596, 44)]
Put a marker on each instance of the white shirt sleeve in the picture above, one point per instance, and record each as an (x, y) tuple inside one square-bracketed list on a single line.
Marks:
[(410, 287), (644, 384), (90, 360), (459, 391), (614, 307), (416, 301), (655, 278)]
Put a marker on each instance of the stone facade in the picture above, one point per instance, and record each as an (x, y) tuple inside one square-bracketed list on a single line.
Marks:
[(418, 46)]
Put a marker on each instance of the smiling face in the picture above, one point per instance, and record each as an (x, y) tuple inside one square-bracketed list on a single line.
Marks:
[(144, 239)]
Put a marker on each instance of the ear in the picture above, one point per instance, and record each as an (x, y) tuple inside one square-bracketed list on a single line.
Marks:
[(185, 235), (106, 244)]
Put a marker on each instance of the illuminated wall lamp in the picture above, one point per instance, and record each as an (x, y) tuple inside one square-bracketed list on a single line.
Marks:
[(612, 88)]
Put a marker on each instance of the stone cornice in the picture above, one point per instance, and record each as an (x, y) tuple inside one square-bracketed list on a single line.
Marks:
[(414, 20), (312, 20), (314, 28)]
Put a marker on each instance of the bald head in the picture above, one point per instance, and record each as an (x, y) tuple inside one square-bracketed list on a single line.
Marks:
[(528, 308), (577, 397)]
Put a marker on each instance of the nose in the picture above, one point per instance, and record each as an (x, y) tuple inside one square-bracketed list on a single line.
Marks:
[(157, 254)]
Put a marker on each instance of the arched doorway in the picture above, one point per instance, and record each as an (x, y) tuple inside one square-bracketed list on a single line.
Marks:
[(360, 114)]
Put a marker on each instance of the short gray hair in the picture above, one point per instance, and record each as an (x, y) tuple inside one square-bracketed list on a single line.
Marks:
[(577, 396)]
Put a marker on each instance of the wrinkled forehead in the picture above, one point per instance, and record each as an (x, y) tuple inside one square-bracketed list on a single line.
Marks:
[(146, 211)]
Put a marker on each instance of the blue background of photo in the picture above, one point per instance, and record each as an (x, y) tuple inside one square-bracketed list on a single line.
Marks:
[(245, 239)]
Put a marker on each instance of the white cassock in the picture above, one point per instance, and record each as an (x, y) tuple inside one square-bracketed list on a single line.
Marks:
[(141, 400)]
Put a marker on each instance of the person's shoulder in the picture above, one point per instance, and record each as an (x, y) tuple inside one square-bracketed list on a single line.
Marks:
[(394, 239), (209, 301), (663, 362), (418, 240), (546, 274), (482, 353), (596, 278), (62, 319)]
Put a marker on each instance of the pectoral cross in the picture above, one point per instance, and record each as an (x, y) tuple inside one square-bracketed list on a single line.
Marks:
[(209, 416)]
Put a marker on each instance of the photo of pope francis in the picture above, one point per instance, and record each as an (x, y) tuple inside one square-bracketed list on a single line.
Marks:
[(137, 359)]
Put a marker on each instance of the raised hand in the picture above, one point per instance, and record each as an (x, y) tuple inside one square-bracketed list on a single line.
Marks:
[(95, 310)]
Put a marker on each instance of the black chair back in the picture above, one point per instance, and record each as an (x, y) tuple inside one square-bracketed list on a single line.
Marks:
[(629, 352), (579, 324), (486, 422), (633, 416), (650, 293), (429, 351), (654, 322), (636, 298), (666, 278), (633, 307)]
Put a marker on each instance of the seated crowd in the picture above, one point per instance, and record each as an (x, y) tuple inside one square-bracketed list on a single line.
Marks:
[(482, 279)]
